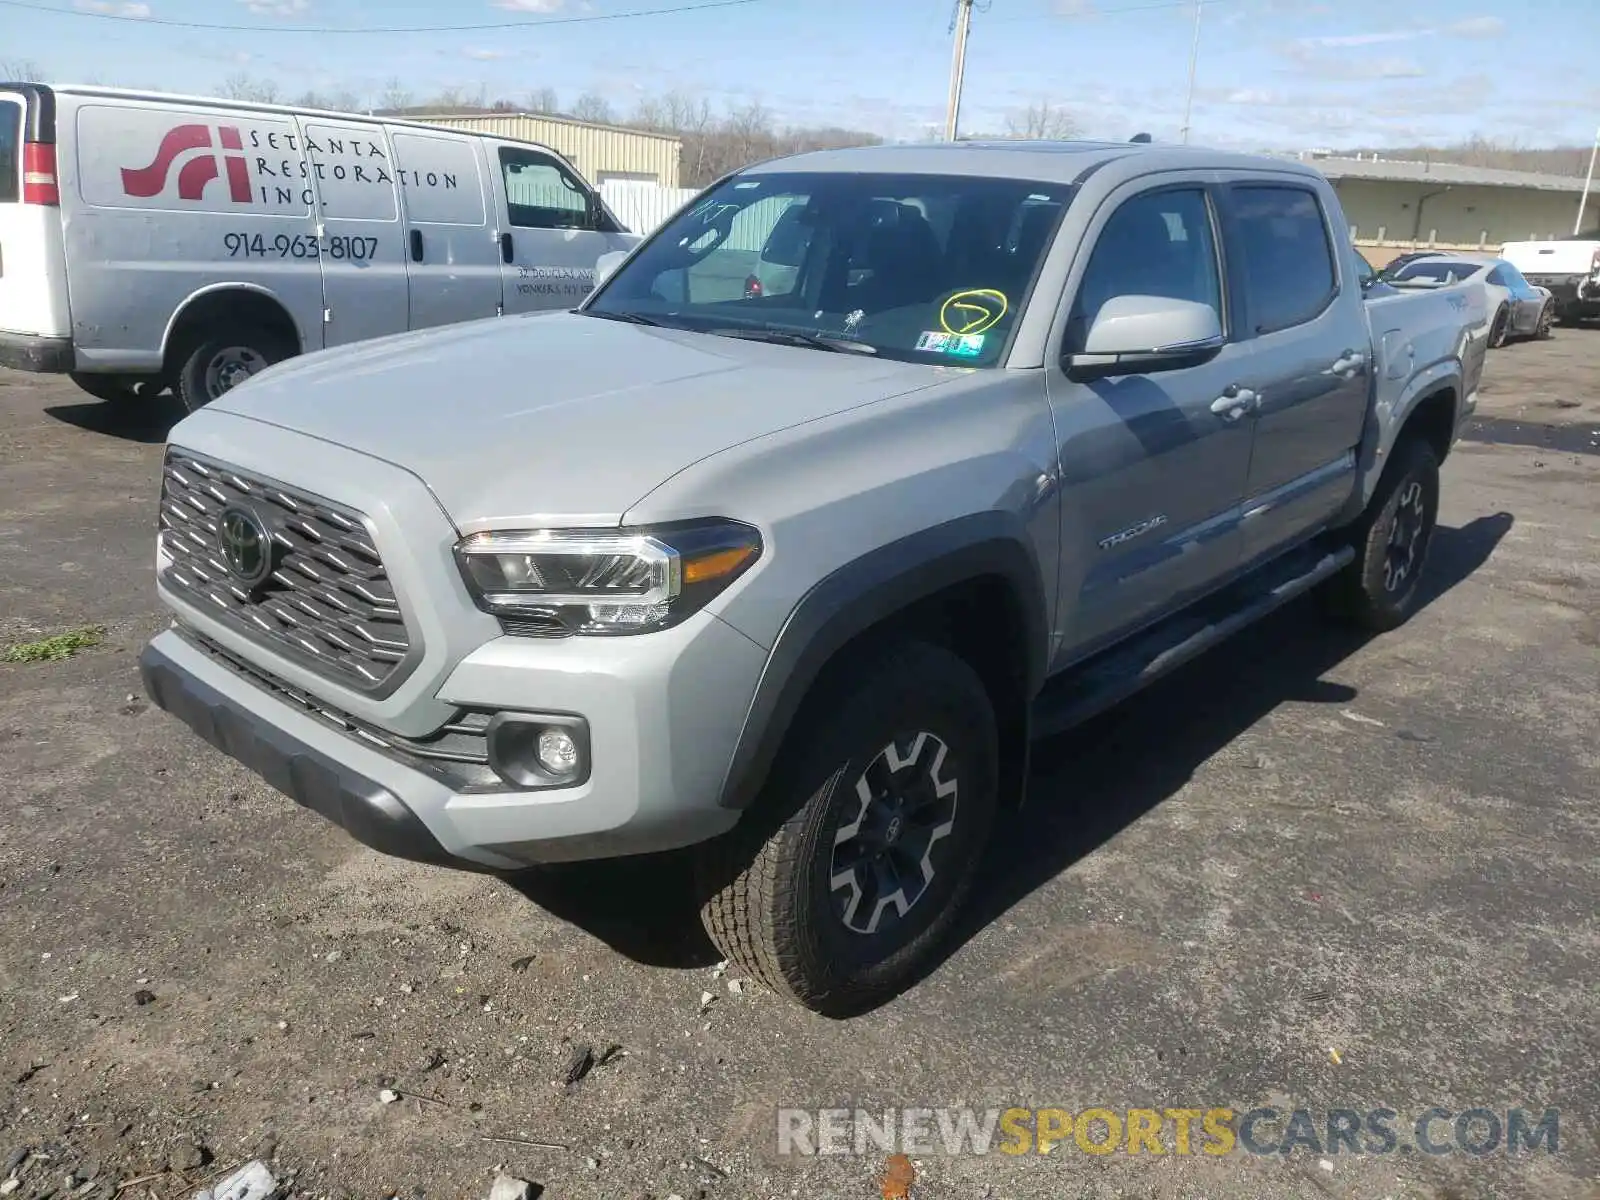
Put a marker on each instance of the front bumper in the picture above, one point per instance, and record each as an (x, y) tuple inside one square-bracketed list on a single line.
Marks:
[(661, 727), (31, 352)]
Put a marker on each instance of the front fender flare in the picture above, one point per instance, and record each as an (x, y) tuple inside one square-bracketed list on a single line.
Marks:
[(866, 591)]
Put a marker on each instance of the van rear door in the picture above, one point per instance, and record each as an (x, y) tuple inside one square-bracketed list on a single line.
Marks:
[(452, 258), (33, 273)]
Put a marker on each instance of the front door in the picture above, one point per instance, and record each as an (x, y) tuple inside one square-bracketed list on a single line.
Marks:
[(454, 262), (359, 241), (1153, 465), (553, 230), (1312, 349)]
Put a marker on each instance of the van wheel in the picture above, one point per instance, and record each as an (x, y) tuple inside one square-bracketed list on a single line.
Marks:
[(218, 363), (883, 800), (1382, 587)]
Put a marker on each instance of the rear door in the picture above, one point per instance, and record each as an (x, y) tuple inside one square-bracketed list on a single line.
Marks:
[(553, 229), (453, 259), (33, 287), (1310, 352), (363, 254)]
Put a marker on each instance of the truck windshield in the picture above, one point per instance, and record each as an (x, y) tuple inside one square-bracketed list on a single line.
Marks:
[(922, 268)]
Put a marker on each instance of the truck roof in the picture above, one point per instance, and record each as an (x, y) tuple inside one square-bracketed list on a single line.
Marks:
[(1055, 162)]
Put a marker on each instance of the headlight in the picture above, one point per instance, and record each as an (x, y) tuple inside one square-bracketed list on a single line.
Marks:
[(558, 581)]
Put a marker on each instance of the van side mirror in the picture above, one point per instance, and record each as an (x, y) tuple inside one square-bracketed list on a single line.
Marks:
[(606, 264), (1148, 333)]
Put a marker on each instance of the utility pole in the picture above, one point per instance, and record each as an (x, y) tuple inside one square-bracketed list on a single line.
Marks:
[(1194, 59), (958, 68), (1588, 182)]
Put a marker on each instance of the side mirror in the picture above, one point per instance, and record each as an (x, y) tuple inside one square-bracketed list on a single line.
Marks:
[(1147, 333), (607, 263)]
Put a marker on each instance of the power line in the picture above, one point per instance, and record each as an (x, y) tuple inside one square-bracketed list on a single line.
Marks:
[(330, 29)]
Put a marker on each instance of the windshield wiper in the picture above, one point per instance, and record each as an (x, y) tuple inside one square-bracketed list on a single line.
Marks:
[(794, 337), (632, 318)]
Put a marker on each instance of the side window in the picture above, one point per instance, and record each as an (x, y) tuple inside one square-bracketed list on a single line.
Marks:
[(10, 149), (1514, 279), (1499, 278), (1157, 244), (440, 178), (354, 176), (1288, 261), (540, 195)]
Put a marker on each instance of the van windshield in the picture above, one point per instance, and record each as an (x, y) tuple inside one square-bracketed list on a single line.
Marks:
[(10, 150), (922, 268)]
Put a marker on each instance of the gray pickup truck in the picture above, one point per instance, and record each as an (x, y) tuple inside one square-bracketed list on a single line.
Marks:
[(864, 470)]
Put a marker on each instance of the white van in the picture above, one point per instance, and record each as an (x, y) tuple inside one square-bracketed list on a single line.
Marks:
[(149, 240)]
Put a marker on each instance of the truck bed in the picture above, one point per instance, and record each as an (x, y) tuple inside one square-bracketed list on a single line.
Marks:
[(1412, 330)]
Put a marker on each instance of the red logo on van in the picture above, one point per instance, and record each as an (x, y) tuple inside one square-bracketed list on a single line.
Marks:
[(199, 171)]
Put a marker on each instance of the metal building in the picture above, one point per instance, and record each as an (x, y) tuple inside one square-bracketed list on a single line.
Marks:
[(1395, 206), (602, 153)]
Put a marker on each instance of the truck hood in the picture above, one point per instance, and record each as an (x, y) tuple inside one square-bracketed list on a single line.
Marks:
[(558, 416)]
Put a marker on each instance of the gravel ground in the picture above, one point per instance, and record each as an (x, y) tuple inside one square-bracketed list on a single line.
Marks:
[(1310, 871)]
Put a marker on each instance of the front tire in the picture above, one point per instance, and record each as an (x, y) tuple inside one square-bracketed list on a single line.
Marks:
[(837, 887), (217, 363), (1381, 589)]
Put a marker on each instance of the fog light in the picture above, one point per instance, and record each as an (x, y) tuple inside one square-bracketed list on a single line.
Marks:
[(558, 753), (538, 750)]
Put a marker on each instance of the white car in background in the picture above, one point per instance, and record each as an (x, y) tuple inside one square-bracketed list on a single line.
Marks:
[(1517, 308)]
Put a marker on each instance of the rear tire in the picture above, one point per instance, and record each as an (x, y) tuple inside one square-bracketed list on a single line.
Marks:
[(217, 362), (1499, 328), (839, 884), (1547, 319), (1382, 588)]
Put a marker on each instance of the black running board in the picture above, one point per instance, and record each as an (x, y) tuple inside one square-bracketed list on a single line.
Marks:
[(1115, 674)]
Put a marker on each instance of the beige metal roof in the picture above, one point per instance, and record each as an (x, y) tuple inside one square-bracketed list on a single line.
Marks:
[(1396, 171)]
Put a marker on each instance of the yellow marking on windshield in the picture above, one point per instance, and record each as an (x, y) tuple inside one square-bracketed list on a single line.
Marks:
[(974, 311)]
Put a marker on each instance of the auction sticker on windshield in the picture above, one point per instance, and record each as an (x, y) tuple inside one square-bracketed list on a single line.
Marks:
[(962, 345)]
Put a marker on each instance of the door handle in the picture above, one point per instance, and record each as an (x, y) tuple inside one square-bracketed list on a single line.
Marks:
[(1235, 402), (508, 251), (416, 245), (1349, 361)]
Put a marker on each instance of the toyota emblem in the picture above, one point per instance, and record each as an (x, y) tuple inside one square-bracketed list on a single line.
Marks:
[(246, 546)]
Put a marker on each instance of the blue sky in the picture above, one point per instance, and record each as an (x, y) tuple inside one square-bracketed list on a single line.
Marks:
[(1272, 73)]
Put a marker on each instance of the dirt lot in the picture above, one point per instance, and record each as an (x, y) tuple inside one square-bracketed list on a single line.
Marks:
[(1310, 871)]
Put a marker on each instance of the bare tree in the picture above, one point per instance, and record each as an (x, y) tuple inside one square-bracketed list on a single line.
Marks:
[(544, 100), (241, 86), (1041, 121), (593, 107), (395, 95), (21, 70)]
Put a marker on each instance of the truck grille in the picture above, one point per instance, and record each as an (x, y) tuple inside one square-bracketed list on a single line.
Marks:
[(325, 599)]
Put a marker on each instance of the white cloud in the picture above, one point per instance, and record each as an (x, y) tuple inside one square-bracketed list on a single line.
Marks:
[(529, 6), (1478, 27), (1364, 39), (138, 12), (478, 54), (277, 8)]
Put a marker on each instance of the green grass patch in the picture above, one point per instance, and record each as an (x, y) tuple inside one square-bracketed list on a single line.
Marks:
[(53, 649)]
